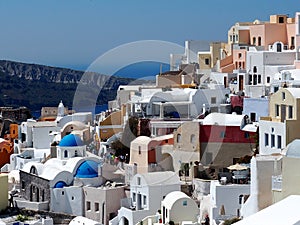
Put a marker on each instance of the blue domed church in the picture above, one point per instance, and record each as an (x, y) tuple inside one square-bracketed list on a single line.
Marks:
[(71, 146)]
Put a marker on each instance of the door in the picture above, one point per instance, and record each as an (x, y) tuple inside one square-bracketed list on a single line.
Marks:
[(225, 82), (241, 82)]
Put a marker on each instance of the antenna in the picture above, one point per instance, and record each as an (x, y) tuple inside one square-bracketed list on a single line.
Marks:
[(160, 69)]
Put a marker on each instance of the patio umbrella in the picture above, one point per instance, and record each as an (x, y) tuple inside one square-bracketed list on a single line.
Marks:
[(237, 167)]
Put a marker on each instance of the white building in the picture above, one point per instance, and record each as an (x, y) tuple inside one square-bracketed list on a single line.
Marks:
[(263, 167), (262, 67), (256, 108), (284, 212), (226, 200), (36, 135), (178, 207), (146, 193)]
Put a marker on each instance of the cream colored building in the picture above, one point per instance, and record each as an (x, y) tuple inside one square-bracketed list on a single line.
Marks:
[(283, 124), (4, 191), (288, 182)]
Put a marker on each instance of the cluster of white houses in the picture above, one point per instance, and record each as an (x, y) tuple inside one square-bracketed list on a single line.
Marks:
[(220, 104)]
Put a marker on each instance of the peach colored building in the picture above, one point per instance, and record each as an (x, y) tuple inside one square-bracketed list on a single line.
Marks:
[(280, 28), (146, 152)]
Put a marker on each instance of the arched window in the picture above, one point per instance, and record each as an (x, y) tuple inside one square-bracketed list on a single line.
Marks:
[(178, 138), (254, 69), (66, 154), (254, 40), (279, 47), (259, 41), (33, 170), (193, 138)]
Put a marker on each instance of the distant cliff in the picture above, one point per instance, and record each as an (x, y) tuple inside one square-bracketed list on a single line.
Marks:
[(35, 86)]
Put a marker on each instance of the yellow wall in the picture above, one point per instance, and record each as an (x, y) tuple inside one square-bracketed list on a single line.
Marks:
[(168, 81), (4, 191), (290, 177), (289, 100), (202, 58)]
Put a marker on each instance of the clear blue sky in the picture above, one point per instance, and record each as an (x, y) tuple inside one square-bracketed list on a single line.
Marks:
[(73, 33)]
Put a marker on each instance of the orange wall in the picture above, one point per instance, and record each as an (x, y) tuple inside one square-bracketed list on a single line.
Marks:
[(237, 59), (275, 32)]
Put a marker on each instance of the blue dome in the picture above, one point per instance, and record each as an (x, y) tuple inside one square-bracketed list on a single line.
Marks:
[(60, 184), (70, 140), (87, 169)]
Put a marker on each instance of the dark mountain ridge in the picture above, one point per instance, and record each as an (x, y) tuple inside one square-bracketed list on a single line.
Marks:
[(35, 86)]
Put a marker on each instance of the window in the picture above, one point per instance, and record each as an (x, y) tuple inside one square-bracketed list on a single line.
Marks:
[(250, 78), (76, 154), (255, 79), (279, 47), (253, 117), (184, 203), (230, 38), (145, 200), (96, 207), (66, 154), (254, 40), (276, 110), (290, 112), (134, 197), (259, 79), (237, 38), (193, 139), (272, 140), (283, 96), (23, 184), (140, 150), (259, 41), (178, 138), (206, 61), (222, 134), (240, 55), (254, 69), (88, 205), (62, 193), (266, 139), (138, 180), (279, 141), (246, 135), (281, 19), (73, 198), (213, 100), (292, 43)]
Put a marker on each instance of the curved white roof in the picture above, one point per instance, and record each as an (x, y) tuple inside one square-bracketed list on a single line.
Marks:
[(294, 91), (293, 149), (39, 167), (79, 125), (172, 197), (141, 140), (80, 220), (161, 178), (223, 119), (178, 95)]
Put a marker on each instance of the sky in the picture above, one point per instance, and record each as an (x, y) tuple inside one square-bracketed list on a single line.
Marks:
[(73, 34)]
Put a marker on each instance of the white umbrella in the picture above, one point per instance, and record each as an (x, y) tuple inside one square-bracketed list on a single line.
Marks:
[(237, 167)]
